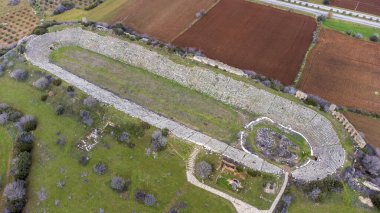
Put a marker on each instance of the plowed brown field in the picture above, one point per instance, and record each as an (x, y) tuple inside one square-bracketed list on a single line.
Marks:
[(369, 126), (345, 71), (367, 6), (242, 34), (162, 19)]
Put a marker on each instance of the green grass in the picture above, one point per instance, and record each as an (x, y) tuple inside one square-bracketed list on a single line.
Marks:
[(303, 152), (343, 27), (346, 201), (163, 176), (161, 95), (103, 13), (316, 1), (6, 144), (253, 187)]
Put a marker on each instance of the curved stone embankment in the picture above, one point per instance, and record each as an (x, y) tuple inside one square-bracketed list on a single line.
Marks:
[(314, 126), (288, 128)]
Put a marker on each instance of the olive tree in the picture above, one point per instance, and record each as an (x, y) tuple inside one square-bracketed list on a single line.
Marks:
[(42, 83), (158, 141), (15, 190), (100, 168), (203, 170), (19, 75), (27, 123), (119, 184)]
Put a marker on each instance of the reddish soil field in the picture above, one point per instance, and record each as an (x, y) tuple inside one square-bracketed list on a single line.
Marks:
[(345, 71), (16, 25), (367, 6), (369, 126), (162, 19), (270, 41)]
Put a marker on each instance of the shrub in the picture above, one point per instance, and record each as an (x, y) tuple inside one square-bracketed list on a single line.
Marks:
[(124, 137), (165, 132), (317, 101), (70, 89), (118, 184), (145, 125), (13, 2), (14, 207), (92, 6), (15, 191), (40, 30), (266, 83), (318, 189), (14, 115), (149, 200), (59, 110), (326, 2), (57, 82), (83, 160), (321, 18), (376, 200), (21, 165), (118, 31), (140, 196), (374, 37), (27, 123), (42, 83), (90, 101), (86, 118), (44, 97), (19, 75), (100, 168), (203, 170), (158, 141), (200, 13), (253, 173), (290, 90), (32, 2), (3, 107), (276, 85), (2, 69), (24, 142), (358, 35), (61, 141), (315, 194), (4, 117), (64, 6), (71, 94)]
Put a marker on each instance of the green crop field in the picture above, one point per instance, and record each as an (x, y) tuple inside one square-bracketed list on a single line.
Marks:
[(101, 13), (344, 27)]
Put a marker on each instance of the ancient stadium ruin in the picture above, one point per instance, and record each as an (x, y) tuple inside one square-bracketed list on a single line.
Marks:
[(314, 126)]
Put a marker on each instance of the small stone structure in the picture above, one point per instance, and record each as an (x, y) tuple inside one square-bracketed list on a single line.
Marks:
[(359, 140), (91, 140), (301, 95)]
